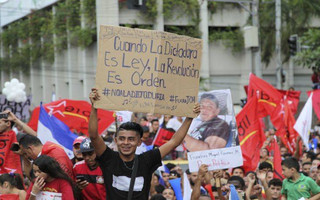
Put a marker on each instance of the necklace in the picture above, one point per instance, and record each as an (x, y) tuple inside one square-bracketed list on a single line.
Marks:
[(129, 168)]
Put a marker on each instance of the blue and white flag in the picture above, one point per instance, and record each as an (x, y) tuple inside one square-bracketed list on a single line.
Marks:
[(52, 129)]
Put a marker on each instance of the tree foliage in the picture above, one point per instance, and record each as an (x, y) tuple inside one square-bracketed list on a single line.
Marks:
[(296, 16), (310, 57)]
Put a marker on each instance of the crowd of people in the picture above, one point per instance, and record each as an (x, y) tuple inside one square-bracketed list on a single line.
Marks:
[(120, 163)]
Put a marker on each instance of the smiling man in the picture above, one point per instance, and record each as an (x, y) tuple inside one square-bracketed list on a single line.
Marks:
[(117, 167)]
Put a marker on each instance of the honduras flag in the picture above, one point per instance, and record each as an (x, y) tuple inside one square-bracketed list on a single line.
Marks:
[(52, 129)]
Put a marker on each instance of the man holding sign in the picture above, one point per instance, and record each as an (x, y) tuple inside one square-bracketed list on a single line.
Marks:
[(117, 167)]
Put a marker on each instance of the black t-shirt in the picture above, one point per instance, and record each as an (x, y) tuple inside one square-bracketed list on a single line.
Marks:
[(117, 174)]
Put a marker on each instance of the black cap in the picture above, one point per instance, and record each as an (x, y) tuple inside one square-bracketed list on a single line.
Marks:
[(86, 146)]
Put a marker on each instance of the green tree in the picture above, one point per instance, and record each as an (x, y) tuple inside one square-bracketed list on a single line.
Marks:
[(310, 57), (295, 19)]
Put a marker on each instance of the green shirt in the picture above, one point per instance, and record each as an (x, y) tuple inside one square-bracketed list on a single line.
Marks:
[(303, 187)]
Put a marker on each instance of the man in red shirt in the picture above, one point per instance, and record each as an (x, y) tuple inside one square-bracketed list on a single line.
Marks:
[(32, 148), (88, 174)]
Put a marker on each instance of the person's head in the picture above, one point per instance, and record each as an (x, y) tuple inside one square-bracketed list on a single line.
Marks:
[(290, 167), (313, 173), (306, 167), (155, 125), (251, 175), (283, 151), (264, 153), (269, 176), (10, 181), (316, 162), (265, 166), (157, 197), (143, 121), (209, 106), (5, 124), (238, 182), (30, 146), (165, 176), (159, 188), (275, 186), (193, 178), (76, 147), (88, 153), (238, 171), (128, 138), (168, 193), (308, 156), (155, 179), (146, 133)]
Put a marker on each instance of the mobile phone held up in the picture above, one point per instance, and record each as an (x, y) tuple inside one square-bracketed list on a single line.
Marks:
[(80, 177), (3, 116)]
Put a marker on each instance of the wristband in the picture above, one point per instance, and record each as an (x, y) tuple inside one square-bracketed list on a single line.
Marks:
[(33, 194)]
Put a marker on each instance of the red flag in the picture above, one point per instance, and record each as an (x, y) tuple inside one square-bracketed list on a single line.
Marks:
[(316, 101), (162, 137), (75, 114), (277, 171), (268, 96), (288, 133), (293, 98), (9, 161), (251, 136)]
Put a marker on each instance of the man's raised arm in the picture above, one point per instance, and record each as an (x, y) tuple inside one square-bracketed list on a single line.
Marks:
[(97, 141), (178, 137)]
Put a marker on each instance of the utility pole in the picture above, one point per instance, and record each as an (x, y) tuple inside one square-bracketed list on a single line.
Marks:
[(257, 50), (278, 44)]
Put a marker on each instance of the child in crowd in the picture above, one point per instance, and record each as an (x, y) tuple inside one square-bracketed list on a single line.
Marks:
[(296, 185), (11, 187)]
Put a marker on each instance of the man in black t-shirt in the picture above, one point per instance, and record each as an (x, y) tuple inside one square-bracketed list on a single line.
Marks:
[(118, 166)]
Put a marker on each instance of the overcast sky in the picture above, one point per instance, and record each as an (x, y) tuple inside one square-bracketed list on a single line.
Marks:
[(12, 10)]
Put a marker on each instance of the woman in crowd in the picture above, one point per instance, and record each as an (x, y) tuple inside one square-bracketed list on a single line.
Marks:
[(50, 178), (11, 187)]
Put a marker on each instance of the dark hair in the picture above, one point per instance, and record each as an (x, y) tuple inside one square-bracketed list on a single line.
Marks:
[(291, 163), (14, 179), (51, 167), (159, 188), (28, 140), (275, 182), (157, 197), (145, 129), (238, 168), (211, 97), (131, 126), (265, 165), (170, 166), (310, 155), (154, 120), (306, 163), (237, 178)]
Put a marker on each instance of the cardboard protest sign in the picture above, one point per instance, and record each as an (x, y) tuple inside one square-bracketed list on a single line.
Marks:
[(21, 110), (213, 136), (147, 71)]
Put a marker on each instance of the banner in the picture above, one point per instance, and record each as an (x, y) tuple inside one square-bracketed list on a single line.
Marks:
[(147, 71), (251, 135), (20, 110), (9, 161), (316, 101), (75, 114), (215, 128), (293, 98)]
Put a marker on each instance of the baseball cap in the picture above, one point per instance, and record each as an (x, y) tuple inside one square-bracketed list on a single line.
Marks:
[(78, 140), (86, 146)]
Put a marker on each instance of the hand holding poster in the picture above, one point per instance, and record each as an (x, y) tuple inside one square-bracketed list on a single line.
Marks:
[(213, 132), (147, 71)]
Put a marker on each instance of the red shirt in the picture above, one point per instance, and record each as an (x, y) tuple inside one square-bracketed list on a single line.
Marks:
[(57, 152), (95, 189), (57, 186)]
